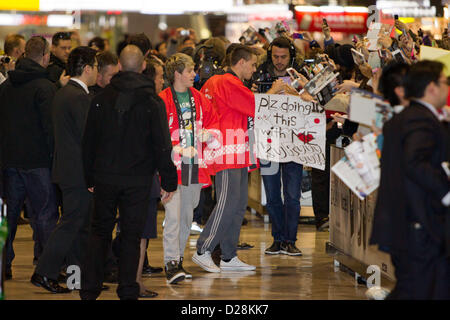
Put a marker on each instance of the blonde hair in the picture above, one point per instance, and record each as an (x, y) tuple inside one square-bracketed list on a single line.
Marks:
[(177, 62)]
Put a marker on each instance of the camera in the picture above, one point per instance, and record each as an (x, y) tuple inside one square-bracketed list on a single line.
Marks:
[(184, 32), (264, 86), (264, 82), (316, 60), (5, 59)]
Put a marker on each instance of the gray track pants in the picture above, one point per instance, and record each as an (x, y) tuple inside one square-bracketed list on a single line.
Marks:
[(224, 224)]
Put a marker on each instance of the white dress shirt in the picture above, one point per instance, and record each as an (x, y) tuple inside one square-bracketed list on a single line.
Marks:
[(441, 117), (81, 83)]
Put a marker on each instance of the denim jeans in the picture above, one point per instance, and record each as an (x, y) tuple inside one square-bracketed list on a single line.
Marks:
[(284, 215), (36, 185)]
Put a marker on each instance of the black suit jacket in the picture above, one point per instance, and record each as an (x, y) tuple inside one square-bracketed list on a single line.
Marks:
[(413, 182), (391, 200), (69, 109)]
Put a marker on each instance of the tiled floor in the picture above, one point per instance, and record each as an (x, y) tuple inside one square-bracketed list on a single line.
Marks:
[(311, 276)]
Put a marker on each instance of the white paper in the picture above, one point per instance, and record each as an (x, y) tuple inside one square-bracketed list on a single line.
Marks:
[(372, 36), (320, 80), (367, 108), (374, 60), (290, 129), (360, 168)]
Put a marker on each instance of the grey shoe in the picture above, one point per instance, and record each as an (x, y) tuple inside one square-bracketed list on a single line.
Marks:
[(235, 265), (205, 262)]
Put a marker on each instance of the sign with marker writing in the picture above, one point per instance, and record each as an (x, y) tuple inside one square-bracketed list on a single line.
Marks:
[(290, 129)]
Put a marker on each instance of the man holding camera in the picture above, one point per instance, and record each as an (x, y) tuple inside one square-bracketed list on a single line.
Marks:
[(14, 49), (284, 216)]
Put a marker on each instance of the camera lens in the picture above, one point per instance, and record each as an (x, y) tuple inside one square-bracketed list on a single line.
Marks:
[(6, 60)]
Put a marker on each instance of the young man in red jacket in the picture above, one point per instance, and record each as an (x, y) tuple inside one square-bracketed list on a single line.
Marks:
[(191, 123), (235, 105)]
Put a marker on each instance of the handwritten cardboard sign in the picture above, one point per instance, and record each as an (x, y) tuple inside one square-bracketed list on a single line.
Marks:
[(290, 129)]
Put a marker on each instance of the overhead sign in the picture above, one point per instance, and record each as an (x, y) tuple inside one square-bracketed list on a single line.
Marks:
[(22, 5), (340, 20), (52, 20)]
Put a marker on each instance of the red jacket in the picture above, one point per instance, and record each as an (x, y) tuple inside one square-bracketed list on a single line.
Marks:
[(206, 118), (234, 103)]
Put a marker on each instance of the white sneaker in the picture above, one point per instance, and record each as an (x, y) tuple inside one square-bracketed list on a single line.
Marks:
[(195, 228), (205, 262), (235, 265)]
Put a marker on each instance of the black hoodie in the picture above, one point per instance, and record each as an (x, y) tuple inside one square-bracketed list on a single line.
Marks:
[(127, 135), (26, 131), (55, 69)]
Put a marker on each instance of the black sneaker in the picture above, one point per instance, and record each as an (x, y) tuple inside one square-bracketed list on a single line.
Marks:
[(147, 271), (173, 272), (323, 224), (187, 274), (244, 246), (275, 248), (290, 249)]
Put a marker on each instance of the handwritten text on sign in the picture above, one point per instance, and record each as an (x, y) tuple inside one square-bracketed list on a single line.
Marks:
[(290, 129)]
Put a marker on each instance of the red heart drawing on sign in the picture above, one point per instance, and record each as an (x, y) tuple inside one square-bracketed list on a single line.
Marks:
[(305, 138)]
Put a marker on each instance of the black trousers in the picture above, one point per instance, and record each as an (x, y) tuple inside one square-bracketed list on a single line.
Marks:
[(68, 241), (320, 186), (133, 206), (422, 271)]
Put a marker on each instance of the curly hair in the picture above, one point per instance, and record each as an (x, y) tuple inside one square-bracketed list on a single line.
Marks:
[(177, 62)]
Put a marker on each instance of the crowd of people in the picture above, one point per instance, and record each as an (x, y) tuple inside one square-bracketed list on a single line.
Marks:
[(91, 140)]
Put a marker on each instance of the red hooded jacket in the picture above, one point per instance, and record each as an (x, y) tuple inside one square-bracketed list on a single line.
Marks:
[(206, 118), (234, 103)]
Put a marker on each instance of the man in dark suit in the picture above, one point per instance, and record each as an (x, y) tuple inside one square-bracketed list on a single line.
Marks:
[(70, 108), (414, 194), (126, 139)]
